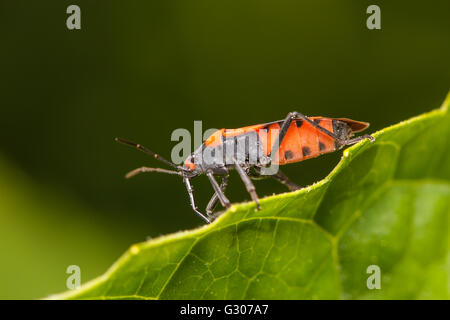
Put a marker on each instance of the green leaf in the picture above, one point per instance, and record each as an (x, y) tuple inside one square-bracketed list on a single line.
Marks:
[(386, 203)]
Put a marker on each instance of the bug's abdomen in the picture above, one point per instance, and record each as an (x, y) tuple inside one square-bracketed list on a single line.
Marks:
[(302, 140)]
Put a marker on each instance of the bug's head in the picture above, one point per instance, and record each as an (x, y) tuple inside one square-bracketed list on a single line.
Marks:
[(345, 128), (191, 168), (189, 163)]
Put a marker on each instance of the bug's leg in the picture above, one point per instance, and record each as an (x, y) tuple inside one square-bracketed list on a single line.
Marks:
[(212, 203), (283, 130), (297, 115), (331, 134), (358, 139), (285, 127), (247, 182), (281, 177), (191, 198), (222, 198)]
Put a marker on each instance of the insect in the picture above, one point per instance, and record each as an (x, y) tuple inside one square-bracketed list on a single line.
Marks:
[(250, 150)]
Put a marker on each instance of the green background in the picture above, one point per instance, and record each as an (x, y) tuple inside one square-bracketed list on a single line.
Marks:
[(139, 70)]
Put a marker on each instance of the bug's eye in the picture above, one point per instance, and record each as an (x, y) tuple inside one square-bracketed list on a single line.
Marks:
[(189, 163), (190, 159)]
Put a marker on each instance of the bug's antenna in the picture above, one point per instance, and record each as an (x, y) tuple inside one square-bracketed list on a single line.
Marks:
[(147, 169), (154, 155)]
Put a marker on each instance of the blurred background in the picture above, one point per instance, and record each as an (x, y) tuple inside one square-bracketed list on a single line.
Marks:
[(139, 70)]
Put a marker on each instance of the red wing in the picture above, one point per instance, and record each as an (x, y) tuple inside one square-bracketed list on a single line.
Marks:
[(356, 126)]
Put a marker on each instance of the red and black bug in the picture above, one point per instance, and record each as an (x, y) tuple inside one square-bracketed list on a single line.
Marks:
[(251, 149)]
